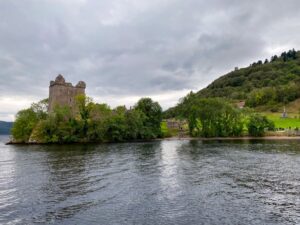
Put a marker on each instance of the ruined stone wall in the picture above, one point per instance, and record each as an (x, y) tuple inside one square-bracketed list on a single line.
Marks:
[(64, 94)]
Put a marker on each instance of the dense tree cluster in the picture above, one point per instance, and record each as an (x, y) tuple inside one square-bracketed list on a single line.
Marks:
[(270, 96), (285, 56), (92, 123), (215, 117)]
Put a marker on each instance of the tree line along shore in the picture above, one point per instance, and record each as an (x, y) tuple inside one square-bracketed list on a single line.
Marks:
[(94, 122)]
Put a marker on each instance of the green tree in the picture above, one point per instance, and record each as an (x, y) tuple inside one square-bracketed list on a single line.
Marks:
[(58, 127), (258, 124), (41, 108), (274, 58), (284, 56), (117, 125), (213, 118), (152, 117), (98, 123), (25, 122), (134, 124), (85, 105)]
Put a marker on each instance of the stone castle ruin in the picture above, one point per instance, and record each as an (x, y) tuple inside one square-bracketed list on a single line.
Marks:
[(62, 93)]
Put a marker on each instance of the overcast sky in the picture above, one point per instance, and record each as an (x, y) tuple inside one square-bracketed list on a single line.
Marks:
[(127, 49)]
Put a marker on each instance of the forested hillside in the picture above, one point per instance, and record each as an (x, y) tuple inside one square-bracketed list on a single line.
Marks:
[(270, 82), (267, 84)]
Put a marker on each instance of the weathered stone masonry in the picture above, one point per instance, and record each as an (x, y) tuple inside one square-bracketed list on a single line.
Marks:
[(62, 93)]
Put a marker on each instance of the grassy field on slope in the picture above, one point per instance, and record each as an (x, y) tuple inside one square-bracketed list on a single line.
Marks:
[(292, 121)]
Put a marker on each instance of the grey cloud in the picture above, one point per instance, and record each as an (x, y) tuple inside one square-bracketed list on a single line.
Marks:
[(136, 48)]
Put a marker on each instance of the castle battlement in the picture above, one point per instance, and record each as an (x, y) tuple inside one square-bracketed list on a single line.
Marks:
[(60, 80), (62, 93)]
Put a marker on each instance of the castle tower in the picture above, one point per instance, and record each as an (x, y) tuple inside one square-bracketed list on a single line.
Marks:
[(62, 93)]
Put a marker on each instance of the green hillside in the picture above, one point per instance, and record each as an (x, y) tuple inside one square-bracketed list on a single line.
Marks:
[(5, 127), (266, 85), (270, 83)]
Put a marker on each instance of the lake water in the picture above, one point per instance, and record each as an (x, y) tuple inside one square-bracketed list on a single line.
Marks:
[(162, 182)]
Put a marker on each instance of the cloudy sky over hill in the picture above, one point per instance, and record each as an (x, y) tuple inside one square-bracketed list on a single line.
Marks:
[(127, 49)]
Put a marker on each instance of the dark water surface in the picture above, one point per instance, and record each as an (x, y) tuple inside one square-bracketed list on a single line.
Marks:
[(163, 182)]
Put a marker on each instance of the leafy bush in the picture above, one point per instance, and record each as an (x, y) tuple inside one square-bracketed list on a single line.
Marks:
[(258, 124), (25, 122)]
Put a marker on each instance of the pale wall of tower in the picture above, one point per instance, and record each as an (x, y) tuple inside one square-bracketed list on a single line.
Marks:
[(64, 94)]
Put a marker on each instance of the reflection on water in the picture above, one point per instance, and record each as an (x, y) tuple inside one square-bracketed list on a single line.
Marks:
[(169, 170), (167, 182)]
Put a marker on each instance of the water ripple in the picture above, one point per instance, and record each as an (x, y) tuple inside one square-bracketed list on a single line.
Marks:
[(168, 182)]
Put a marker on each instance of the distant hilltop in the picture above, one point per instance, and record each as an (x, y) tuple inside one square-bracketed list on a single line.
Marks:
[(62, 93), (5, 127)]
